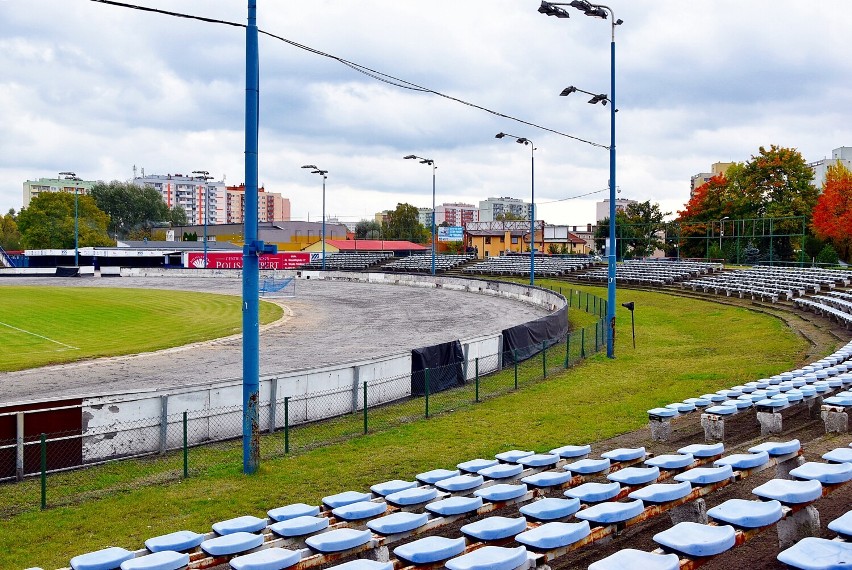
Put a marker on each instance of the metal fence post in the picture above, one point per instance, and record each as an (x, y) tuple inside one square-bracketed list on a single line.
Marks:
[(365, 406), (185, 447), (426, 390), (544, 358), (476, 364), (587, 302), (287, 424), (164, 423), (567, 349), (515, 360), (19, 448), (597, 329), (583, 342), (273, 403), (43, 471)]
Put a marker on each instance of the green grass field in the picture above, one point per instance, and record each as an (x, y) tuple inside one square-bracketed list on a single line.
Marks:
[(684, 347), (50, 325)]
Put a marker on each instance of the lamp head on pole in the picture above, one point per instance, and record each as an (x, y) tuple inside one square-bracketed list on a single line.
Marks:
[(409, 157), (312, 166), (568, 90), (497, 136), (551, 9), (629, 306)]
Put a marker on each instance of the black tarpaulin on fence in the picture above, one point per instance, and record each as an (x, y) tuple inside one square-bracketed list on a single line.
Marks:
[(523, 341), (444, 362), (67, 271)]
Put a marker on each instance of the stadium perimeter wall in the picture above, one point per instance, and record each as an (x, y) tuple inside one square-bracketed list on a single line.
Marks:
[(313, 393)]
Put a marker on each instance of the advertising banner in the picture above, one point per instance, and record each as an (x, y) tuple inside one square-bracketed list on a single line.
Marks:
[(450, 233), (234, 260)]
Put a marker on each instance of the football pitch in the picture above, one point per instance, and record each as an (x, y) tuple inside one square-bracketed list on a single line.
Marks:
[(51, 325)]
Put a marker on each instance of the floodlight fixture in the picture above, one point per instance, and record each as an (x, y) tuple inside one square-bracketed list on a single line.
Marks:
[(551, 9), (431, 163)]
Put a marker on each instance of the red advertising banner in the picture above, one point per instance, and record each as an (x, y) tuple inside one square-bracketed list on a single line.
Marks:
[(219, 260)]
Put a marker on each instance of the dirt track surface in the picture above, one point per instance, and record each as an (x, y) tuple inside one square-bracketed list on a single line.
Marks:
[(329, 323)]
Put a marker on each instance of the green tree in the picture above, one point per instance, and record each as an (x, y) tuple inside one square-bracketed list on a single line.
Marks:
[(177, 216), (828, 256), (48, 222), (404, 223), (509, 217), (646, 225), (10, 237), (129, 206), (368, 229)]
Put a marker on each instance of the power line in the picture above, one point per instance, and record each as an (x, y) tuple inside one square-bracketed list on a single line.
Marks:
[(377, 75)]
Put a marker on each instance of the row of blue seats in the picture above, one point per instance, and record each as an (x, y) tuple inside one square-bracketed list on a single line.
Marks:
[(736, 521), (295, 520)]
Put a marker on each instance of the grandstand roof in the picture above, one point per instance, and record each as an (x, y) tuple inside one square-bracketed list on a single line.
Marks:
[(374, 245)]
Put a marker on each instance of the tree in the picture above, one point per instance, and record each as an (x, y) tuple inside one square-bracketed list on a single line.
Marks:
[(832, 215), (10, 237), (368, 229), (404, 223), (177, 216), (828, 256), (48, 222), (509, 217), (129, 206), (646, 227)]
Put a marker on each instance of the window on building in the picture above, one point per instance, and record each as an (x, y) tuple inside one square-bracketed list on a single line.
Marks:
[(487, 241), (502, 239), (515, 241)]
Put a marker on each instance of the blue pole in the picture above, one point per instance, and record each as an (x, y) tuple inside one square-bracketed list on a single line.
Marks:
[(532, 218), (251, 325), (323, 221), (205, 224), (433, 218), (76, 233), (610, 305)]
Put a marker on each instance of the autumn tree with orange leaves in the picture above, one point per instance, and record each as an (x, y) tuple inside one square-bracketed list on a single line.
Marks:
[(832, 215)]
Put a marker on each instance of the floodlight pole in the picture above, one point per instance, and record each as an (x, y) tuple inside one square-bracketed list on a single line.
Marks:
[(431, 163), (322, 173), (73, 177), (527, 142), (204, 176)]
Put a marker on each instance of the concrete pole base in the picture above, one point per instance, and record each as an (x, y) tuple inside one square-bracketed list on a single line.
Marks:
[(714, 428), (770, 422), (797, 526), (836, 419), (661, 430), (695, 511)]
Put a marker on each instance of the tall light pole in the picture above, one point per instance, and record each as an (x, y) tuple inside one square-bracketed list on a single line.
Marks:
[(72, 176), (722, 230), (323, 173), (431, 163), (527, 142), (600, 11), (204, 176)]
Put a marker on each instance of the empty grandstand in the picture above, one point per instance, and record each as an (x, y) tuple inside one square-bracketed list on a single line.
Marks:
[(654, 272), (771, 283), (519, 265), (351, 260), (423, 262)]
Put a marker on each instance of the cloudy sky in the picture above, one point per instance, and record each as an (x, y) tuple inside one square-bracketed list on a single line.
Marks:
[(97, 89)]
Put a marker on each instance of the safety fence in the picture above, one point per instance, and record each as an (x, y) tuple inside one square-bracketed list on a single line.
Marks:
[(39, 470)]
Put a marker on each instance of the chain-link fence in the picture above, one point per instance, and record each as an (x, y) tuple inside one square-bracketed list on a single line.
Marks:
[(101, 457)]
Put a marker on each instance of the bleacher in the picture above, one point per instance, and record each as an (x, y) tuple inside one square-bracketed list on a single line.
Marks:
[(771, 283), (519, 266), (350, 260), (836, 305), (653, 272), (423, 262)]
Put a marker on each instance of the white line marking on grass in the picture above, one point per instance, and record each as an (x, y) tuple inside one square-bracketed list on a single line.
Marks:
[(68, 346)]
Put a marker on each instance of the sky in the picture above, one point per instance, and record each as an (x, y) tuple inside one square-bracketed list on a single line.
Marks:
[(98, 89)]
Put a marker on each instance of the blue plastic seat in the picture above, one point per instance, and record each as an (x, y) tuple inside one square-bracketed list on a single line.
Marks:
[(730, 394), (547, 478), (360, 511), (177, 541), (821, 387), (569, 451), (703, 449), (435, 475), (502, 471), (594, 492), (476, 465), (398, 522), (842, 525), (844, 401), (267, 559), (299, 526), (430, 549), (501, 492), (697, 402), (390, 487), (550, 508), (293, 511), (825, 473), (588, 466), (610, 513), (747, 514), (554, 535), (738, 404), (706, 475), (776, 448), (164, 560), (695, 539), (413, 496), (494, 528), (490, 558), (771, 404), (714, 398), (722, 410), (794, 395), (630, 558), (813, 553), (345, 498), (247, 523), (839, 455), (230, 544), (681, 407), (673, 461), (625, 454), (743, 460), (790, 492), (539, 460), (338, 539), (513, 455), (460, 483), (662, 413), (106, 559), (363, 564), (635, 475), (454, 506), (662, 492)]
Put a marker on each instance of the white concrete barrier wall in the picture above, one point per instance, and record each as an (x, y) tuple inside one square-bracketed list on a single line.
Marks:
[(132, 424)]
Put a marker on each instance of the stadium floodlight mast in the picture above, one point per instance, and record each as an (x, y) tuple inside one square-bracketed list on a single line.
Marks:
[(205, 176), (431, 163), (601, 11), (73, 176), (527, 142), (323, 173)]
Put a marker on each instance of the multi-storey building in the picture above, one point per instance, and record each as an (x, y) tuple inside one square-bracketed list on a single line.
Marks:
[(32, 188), (492, 208), (456, 214), (204, 201), (842, 155), (602, 207), (716, 169), (271, 206)]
